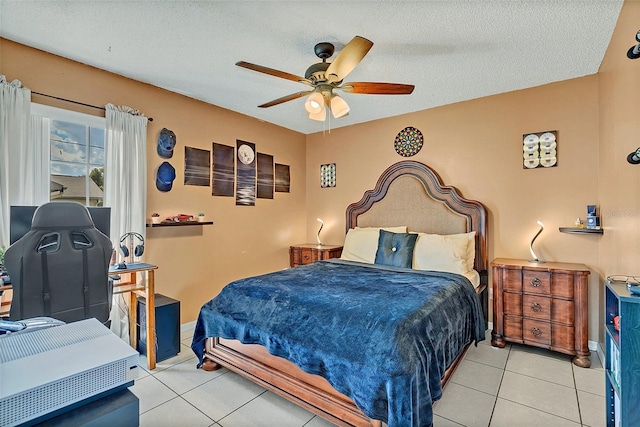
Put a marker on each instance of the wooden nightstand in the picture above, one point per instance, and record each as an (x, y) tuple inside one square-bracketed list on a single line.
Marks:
[(543, 305), (309, 252)]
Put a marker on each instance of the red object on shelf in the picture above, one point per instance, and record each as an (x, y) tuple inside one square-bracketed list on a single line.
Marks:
[(616, 323), (180, 218)]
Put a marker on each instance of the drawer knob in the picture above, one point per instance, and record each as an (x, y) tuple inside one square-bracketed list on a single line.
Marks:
[(536, 307), (536, 332), (306, 256), (535, 282)]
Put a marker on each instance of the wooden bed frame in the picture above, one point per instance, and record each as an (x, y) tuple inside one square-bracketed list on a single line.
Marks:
[(407, 193)]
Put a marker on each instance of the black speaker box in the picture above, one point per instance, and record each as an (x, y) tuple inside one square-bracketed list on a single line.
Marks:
[(167, 327)]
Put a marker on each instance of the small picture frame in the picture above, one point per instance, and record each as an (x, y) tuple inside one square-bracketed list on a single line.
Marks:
[(540, 150), (328, 175)]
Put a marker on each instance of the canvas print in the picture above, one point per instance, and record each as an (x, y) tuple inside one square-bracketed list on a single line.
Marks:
[(196, 166), (223, 170), (282, 178), (246, 174), (540, 150), (265, 176), (328, 175)]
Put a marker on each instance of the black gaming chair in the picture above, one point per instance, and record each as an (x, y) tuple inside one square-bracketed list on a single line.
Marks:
[(59, 269)]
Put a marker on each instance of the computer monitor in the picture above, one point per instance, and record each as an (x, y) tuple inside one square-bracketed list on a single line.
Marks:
[(20, 218), (101, 217)]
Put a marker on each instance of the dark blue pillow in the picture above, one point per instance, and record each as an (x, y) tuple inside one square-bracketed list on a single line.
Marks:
[(395, 249)]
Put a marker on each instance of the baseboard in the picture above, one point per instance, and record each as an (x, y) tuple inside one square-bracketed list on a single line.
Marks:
[(599, 351)]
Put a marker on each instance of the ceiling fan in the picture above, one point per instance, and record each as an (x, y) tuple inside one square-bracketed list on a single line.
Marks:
[(325, 78)]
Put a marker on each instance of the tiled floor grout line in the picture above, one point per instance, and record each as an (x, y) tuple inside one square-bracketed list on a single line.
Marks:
[(542, 410), (197, 409), (495, 402), (575, 386), (241, 406), (540, 379), (479, 391), (186, 391), (451, 421)]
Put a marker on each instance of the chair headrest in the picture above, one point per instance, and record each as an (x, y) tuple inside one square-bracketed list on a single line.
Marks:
[(61, 215)]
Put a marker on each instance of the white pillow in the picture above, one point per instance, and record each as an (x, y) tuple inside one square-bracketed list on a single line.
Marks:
[(361, 243), (454, 253)]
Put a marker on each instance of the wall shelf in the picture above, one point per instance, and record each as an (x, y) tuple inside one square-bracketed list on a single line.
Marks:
[(178, 224), (576, 230)]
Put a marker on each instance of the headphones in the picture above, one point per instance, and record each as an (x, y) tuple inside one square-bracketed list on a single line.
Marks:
[(139, 249)]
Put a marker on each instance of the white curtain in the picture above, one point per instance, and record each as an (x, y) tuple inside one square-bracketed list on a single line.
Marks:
[(37, 184), (125, 187), (16, 152)]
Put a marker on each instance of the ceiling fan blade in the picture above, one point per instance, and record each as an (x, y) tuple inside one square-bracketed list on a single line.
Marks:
[(285, 99), (372, 88), (348, 59), (272, 72)]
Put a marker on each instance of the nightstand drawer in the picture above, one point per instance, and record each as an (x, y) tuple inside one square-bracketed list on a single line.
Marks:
[(306, 256), (513, 328), (536, 282), (562, 285), (536, 330), (536, 307), (512, 304), (563, 311), (512, 280), (562, 336)]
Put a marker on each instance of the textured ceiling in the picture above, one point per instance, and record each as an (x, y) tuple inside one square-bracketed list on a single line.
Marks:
[(450, 50)]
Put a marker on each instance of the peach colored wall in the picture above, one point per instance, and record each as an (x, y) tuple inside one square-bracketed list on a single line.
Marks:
[(476, 146), (619, 88), (194, 262)]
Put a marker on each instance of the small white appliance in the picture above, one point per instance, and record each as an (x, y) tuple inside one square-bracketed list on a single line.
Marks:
[(48, 371)]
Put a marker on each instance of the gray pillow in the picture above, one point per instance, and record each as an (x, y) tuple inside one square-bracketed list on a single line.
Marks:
[(395, 249)]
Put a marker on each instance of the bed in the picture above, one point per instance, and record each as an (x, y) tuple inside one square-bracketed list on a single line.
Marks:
[(392, 362)]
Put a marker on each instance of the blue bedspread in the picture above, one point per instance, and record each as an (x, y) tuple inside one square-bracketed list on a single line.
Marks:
[(382, 336)]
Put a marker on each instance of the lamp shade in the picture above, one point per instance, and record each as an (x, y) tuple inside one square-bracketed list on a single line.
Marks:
[(314, 103), (319, 116), (339, 107)]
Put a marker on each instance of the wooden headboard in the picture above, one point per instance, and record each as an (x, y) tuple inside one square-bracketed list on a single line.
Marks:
[(411, 193)]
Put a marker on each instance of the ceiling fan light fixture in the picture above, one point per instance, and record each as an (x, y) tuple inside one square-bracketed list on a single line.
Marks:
[(339, 107), (314, 103), (319, 116)]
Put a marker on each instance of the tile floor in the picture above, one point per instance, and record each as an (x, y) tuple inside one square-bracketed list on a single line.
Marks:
[(514, 386)]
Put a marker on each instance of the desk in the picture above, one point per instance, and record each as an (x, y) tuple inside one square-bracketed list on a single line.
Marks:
[(132, 287), (6, 294)]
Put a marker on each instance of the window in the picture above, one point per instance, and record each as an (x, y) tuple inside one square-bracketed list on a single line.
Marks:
[(76, 155), (77, 163)]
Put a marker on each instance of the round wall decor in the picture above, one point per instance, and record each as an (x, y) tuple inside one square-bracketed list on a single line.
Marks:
[(408, 142)]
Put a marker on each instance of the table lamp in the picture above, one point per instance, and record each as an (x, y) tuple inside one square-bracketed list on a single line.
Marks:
[(319, 230), (533, 254)]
